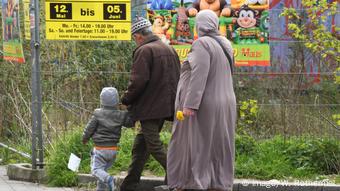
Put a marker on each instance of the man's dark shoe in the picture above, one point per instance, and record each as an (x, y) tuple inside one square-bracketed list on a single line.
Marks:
[(162, 188), (123, 189)]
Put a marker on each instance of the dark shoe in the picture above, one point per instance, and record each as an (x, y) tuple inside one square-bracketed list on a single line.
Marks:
[(162, 188), (123, 189)]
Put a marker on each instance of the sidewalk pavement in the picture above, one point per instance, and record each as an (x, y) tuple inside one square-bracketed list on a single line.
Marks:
[(11, 185), (148, 184)]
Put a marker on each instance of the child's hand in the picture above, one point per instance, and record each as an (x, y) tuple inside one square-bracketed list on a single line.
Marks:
[(84, 142), (122, 107)]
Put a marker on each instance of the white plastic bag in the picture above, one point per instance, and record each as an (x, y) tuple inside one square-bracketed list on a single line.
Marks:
[(73, 163)]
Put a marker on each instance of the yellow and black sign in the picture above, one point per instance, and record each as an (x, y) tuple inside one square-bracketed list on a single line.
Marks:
[(27, 19), (88, 20)]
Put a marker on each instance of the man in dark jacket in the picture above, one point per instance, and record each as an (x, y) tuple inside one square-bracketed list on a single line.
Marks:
[(150, 97)]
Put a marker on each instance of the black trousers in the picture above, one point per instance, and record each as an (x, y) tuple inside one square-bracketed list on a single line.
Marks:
[(146, 142)]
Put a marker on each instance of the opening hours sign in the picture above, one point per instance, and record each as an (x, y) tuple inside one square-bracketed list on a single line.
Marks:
[(88, 20)]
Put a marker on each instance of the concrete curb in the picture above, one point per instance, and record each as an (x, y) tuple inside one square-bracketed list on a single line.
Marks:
[(24, 172), (148, 184), (276, 185)]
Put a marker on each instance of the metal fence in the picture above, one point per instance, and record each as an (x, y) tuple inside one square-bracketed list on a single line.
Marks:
[(288, 104), (296, 96)]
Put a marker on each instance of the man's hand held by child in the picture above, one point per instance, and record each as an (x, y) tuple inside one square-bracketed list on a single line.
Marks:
[(84, 142)]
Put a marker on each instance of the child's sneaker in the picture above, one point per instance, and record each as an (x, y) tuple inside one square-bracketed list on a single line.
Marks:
[(110, 183)]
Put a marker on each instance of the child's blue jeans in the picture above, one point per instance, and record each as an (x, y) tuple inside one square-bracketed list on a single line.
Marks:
[(101, 161)]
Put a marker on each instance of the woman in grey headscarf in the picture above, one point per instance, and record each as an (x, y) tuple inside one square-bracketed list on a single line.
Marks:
[(201, 150)]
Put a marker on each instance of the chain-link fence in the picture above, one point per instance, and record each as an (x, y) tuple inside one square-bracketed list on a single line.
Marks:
[(296, 96), (288, 104)]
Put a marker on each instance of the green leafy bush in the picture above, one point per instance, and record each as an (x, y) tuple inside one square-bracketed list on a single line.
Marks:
[(318, 154), (152, 165), (124, 153), (8, 157), (57, 171), (248, 113), (337, 75), (336, 118), (60, 175), (244, 144), (296, 157), (267, 161), (277, 158)]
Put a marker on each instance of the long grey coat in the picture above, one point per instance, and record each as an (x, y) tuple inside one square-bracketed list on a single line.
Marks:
[(201, 150)]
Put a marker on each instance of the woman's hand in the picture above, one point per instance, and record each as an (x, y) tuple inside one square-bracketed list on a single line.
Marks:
[(188, 112)]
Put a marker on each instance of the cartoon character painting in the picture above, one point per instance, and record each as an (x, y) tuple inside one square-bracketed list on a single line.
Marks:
[(244, 22), (11, 25), (247, 22), (254, 4), (228, 26), (182, 26), (264, 26), (161, 5), (173, 26), (159, 27), (220, 7), (12, 44)]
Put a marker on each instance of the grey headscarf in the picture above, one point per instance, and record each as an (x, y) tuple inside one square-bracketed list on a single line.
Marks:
[(207, 23)]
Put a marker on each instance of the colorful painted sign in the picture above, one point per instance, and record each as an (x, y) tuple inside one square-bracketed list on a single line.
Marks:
[(182, 51), (171, 22), (12, 44), (27, 19), (88, 20), (245, 24), (248, 30)]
